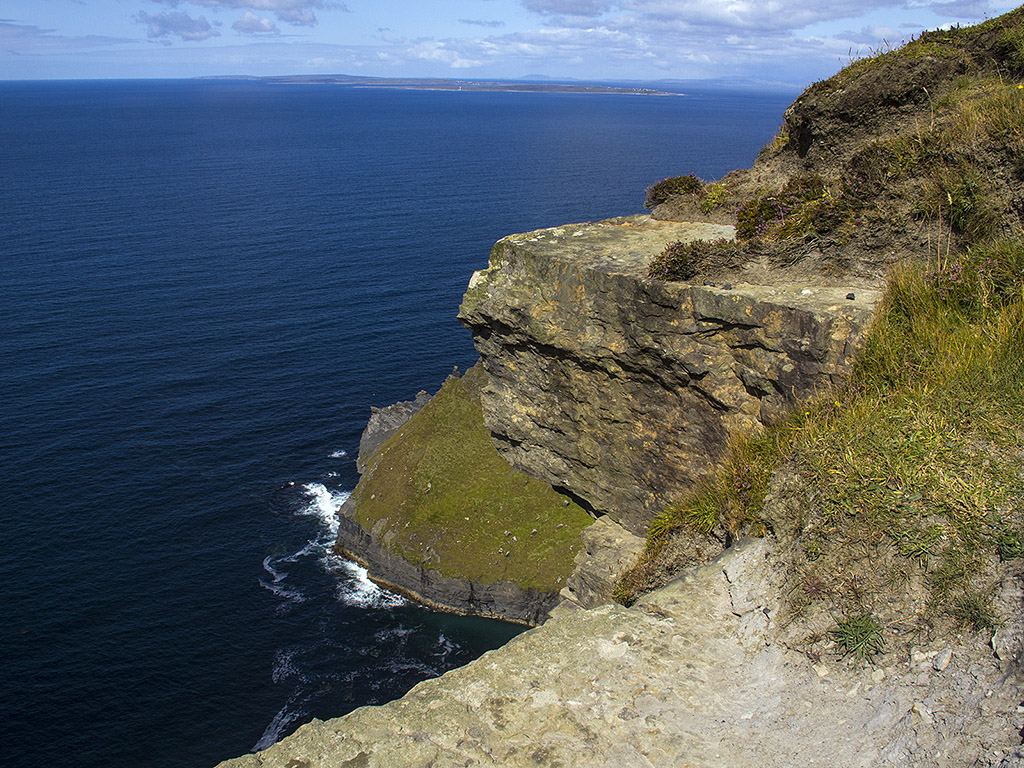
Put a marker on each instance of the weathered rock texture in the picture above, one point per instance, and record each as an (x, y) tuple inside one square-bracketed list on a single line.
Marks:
[(622, 389), (439, 516), (383, 423), (690, 676), (609, 550)]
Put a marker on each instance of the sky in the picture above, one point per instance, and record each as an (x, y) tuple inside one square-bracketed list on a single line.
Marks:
[(790, 42)]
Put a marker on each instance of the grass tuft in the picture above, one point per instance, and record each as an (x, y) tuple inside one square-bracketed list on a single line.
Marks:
[(658, 193), (859, 636)]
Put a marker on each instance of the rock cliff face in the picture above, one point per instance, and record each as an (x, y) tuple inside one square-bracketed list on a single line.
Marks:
[(623, 390)]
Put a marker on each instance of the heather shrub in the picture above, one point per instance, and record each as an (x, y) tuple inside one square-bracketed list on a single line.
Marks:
[(676, 185)]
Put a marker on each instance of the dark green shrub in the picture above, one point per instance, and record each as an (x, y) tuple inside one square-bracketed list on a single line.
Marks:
[(768, 214), (676, 185), (683, 261)]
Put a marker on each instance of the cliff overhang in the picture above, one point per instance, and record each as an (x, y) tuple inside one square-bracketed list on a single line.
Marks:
[(624, 390)]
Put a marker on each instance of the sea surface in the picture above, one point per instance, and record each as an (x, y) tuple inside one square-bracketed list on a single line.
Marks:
[(204, 286)]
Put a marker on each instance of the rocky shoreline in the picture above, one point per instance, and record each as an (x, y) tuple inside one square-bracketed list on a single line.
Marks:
[(498, 600)]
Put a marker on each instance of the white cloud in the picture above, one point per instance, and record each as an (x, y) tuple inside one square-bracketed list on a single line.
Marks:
[(299, 13), (443, 53), (965, 9), (251, 24), (589, 8), (721, 15), (176, 23), (22, 38)]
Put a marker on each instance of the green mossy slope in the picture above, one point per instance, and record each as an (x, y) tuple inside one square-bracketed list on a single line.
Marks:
[(438, 494)]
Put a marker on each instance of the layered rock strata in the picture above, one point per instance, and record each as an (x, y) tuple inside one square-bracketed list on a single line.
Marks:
[(623, 390), (503, 600)]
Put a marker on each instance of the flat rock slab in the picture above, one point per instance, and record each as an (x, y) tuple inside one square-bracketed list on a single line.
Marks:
[(623, 245), (623, 389), (687, 677)]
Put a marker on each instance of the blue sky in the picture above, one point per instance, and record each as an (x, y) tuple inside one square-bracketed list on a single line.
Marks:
[(788, 41)]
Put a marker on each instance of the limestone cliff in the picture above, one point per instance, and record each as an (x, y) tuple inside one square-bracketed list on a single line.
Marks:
[(690, 676), (439, 516), (882, 621), (624, 390)]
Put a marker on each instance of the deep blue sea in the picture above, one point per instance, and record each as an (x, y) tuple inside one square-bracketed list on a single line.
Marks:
[(204, 286)]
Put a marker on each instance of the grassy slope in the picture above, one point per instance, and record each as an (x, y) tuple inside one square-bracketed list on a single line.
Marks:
[(444, 498), (904, 492)]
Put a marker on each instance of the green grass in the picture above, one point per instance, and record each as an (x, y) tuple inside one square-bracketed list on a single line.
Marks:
[(438, 494), (858, 636)]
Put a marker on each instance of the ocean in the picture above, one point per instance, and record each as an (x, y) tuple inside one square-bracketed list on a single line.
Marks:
[(204, 286)]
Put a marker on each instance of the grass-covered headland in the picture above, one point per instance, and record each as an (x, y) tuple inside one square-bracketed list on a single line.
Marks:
[(438, 494), (900, 497)]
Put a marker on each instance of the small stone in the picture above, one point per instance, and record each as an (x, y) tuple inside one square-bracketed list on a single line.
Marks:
[(560, 525), (565, 503), (533, 532), (850, 297), (940, 662), (727, 286), (821, 669), (919, 656), (921, 711), (878, 676), (805, 292)]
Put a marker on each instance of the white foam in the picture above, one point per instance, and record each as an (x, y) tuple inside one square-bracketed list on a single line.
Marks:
[(284, 666), (325, 504), (358, 591), (339, 454), (291, 595), (268, 566)]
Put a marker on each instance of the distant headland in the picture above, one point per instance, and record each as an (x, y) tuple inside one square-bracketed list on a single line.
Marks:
[(443, 84)]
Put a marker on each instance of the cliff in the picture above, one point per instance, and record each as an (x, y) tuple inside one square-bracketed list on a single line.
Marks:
[(689, 676), (439, 516), (870, 269), (623, 390)]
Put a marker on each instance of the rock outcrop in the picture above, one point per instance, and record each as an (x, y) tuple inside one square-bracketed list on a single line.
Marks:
[(689, 676), (623, 390), (440, 517), (383, 423), (609, 550), (503, 599)]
